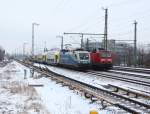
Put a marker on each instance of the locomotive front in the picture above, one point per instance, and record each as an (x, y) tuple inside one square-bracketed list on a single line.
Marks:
[(83, 58), (101, 59)]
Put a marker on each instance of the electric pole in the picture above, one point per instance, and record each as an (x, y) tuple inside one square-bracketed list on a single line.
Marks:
[(106, 29), (24, 44), (62, 41), (32, 39), (33, 24), (87, 45), (135, 43), (82, 41)]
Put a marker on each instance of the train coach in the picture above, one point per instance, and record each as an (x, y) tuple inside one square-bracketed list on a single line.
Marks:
[(75, 59)]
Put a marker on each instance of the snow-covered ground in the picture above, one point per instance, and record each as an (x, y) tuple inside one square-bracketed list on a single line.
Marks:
[(17, 97), (97, 80), (137, 68), (134, 73)]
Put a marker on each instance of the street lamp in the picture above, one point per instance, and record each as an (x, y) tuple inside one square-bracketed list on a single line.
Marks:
[(33, 24)]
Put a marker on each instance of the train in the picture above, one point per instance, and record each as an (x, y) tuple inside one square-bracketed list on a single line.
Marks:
[(77, 59), (101, 59)]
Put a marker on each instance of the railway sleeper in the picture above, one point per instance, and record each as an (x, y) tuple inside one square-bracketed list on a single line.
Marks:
[(58, 82), (116, 104), (72, 88), (64, 84), (87, 95), (127, 93), (79, 92), (137, 94), (104, 105), (133, 95), (128, 109), (128, 100), (93, 99)]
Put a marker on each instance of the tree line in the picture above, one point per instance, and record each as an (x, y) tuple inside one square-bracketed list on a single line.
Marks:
[(2, 53)]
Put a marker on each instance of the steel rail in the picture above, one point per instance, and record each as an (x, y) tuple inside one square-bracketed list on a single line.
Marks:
[(130, 74), (143, 83), (96, 92), (147, 71)]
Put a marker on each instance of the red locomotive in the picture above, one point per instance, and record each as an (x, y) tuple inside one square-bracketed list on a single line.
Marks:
[(101, 59)]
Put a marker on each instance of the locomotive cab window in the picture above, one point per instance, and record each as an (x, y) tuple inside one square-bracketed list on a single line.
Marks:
[(83, 56), (75, 56), (105, 54)]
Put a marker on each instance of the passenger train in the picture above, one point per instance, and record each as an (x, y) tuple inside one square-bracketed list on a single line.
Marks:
[(77, 59)]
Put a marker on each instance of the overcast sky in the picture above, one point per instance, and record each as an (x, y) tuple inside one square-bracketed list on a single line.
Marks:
[(58, 16)]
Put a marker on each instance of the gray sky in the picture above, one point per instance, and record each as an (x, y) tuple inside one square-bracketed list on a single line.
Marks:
[(58, 16)]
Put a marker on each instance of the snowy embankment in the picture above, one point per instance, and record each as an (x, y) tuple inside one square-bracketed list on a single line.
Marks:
[(17, 97)]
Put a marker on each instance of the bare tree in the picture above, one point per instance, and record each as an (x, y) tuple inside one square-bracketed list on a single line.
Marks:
[(2, 53)]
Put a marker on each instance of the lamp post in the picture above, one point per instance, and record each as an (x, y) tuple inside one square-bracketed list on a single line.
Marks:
[(33, 24)]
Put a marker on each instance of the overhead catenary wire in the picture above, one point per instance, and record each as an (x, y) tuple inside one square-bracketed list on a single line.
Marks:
[(58, 6), (88, 25), (93, 25), (124, 2), (86, 20)]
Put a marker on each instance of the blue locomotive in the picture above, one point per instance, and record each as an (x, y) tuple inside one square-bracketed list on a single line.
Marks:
[(76, 59)]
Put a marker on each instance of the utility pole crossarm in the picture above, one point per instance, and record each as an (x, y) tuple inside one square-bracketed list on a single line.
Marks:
[(125, 40), (83, 33)]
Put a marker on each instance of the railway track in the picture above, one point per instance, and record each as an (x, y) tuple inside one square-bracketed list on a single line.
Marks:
[(126, 77), (131, 69), (106, 96), (145, 76)]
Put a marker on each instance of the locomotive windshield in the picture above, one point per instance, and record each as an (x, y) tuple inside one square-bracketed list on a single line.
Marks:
[(105, 54), (83, 56)]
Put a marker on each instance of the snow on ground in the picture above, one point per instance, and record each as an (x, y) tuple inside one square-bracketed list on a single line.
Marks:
[(17, 97), (94, 80), (61, 100), (134, 73), (138, 68)]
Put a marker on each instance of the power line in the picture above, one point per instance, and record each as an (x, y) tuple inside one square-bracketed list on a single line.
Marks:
[(92, 25), (125, 2), (121, 34), (58, 6), (85, 22)]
